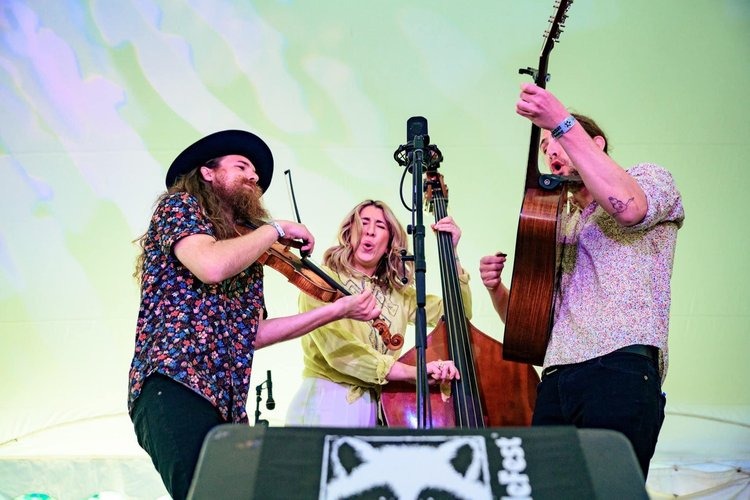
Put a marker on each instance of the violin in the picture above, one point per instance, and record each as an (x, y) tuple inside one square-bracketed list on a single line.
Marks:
[(279, 257), (313, 281)]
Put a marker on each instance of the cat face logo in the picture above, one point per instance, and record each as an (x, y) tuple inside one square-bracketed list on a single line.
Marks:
[(405, 467)]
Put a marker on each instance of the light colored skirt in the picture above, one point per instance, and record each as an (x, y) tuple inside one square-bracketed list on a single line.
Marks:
[(322, 403)]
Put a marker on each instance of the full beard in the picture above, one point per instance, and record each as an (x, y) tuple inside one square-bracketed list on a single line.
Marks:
[(245, 204)]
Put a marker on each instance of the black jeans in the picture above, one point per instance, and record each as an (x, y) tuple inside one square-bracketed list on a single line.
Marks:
[(619, 391), (171, 421)]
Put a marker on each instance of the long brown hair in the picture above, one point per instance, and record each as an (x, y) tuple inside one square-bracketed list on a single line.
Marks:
[(194, 184), (389, 272)]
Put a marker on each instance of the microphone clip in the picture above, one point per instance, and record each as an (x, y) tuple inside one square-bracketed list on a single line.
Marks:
[(431, 158)]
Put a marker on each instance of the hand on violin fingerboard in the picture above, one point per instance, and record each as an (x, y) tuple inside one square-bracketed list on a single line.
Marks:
[(361, 306)]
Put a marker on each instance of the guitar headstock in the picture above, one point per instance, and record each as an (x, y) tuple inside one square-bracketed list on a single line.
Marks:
[(551, 36), (556, 25), (540, 76)]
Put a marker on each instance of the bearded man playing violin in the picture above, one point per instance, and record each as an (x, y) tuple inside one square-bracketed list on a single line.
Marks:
[(202, 312), (346, 362)]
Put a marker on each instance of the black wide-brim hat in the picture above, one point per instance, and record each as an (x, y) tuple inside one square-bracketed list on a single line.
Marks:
[(225, 142)]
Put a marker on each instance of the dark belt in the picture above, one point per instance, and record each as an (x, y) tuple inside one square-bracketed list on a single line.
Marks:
[(648, 351)]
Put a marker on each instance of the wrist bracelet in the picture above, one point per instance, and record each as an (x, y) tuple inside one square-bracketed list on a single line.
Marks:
[(278, 228), (563, 127)]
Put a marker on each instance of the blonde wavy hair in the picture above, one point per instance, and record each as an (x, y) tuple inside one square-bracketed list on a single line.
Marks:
[(390, 271)]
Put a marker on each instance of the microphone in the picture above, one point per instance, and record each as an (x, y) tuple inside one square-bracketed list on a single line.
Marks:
[(416, 126), (270, 403)]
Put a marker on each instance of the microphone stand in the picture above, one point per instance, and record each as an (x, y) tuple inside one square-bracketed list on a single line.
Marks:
[(424, 412), (258, 399)]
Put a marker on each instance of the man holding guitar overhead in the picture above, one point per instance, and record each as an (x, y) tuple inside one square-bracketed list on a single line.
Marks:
[(607, 352)]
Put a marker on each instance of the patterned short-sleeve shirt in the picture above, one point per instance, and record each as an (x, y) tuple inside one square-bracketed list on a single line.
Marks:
[(614, 286), (198, 334)]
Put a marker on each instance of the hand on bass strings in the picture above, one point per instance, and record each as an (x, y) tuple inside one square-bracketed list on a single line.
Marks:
[(448, 225), (438, 371), (442, 371)]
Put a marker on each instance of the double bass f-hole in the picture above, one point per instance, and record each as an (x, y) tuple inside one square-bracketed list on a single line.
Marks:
[(393, 341)]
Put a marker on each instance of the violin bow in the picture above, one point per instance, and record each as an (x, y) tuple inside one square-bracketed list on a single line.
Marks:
[(290, 187)]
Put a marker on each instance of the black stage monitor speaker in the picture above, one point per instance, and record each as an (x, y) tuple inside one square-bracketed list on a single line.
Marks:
[(241, 462)]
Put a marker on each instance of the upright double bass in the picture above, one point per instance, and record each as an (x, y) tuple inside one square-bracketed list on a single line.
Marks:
[(491, 391)]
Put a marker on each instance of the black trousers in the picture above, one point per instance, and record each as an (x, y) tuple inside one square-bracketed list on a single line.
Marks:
[(618, 391), (171, 421)]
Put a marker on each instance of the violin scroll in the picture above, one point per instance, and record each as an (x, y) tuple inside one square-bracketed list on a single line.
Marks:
[(391, 341)]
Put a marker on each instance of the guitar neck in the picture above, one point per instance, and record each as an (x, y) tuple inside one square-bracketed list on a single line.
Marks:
[(540, 79), (532, 165)]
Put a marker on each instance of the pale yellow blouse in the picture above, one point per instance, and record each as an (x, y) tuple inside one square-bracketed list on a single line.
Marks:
[(351, 352)]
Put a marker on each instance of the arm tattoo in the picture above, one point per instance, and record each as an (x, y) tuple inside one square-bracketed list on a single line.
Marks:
[(618, 205)]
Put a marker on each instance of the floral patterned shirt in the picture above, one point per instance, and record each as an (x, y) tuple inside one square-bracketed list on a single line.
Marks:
[(198, 334), (614, 287)]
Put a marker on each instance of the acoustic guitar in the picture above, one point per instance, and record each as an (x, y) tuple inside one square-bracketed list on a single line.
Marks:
[(537, 256)]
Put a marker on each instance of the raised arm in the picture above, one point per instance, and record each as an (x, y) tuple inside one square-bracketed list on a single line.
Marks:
[(213, 261), (607, 182)]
